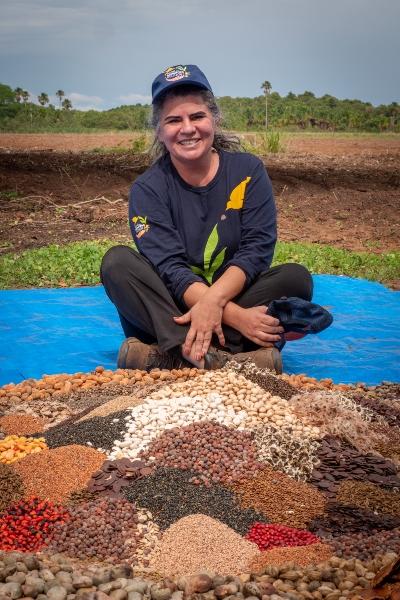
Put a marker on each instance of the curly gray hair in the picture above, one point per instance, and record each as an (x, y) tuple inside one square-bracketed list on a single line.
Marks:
[(222, 141)]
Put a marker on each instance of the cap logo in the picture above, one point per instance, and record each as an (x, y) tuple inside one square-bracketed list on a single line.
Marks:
[(175, 73)]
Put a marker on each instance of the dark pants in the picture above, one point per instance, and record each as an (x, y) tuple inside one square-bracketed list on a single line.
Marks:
[(146, 307)]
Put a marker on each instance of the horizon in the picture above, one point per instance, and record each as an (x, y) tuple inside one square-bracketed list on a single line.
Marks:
[(53, 99)]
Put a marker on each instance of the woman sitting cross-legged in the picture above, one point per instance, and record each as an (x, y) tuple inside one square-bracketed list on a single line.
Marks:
[(203, 219)]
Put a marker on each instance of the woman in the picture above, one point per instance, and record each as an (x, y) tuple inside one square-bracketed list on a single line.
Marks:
[(204, 222)]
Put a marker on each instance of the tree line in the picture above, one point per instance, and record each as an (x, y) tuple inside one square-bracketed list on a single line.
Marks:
[(294, 111)]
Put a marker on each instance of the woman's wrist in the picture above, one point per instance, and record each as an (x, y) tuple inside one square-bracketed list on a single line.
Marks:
[(228, 286), (216, 296), (233, 315)]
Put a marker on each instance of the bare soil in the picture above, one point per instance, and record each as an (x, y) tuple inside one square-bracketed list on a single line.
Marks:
[(324, 144), (338, 191)]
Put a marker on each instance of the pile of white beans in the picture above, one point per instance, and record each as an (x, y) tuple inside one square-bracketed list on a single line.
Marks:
[(150, 419), (221, 396)]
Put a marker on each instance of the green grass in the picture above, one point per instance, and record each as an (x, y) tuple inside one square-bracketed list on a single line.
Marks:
[(54, 266), (78, 263), (319, 258), (9, 195)]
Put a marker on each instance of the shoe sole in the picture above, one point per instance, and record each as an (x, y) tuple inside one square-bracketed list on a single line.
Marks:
[(277, 360), (122, 354), (214, 360)]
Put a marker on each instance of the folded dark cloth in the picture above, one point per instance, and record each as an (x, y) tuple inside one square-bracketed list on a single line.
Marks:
[(298, 315)]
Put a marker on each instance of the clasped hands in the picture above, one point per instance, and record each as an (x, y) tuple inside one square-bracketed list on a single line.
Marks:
[(207, 315)]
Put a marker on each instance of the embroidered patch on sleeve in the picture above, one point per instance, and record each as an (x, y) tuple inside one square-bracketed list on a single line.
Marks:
[(141, 226)]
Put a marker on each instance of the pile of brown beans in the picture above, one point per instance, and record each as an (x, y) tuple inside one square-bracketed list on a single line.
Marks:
[(367, 547), (105, 529), (218, 454)]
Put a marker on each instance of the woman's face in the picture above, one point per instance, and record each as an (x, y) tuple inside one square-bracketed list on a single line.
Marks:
[(187, 128)]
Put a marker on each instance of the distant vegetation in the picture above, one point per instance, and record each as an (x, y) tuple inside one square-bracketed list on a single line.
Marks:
[(292, 112)]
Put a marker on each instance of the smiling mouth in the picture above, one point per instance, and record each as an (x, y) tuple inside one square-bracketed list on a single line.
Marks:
[(189, 142)]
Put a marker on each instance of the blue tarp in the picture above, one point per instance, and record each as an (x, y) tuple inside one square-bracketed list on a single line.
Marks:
[(76, 329)]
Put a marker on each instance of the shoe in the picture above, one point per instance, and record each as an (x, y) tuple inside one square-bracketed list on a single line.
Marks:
[(215, 359), (263, 358), (134, 354)]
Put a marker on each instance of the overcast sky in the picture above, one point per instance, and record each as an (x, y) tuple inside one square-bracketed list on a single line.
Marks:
[(104, 53)]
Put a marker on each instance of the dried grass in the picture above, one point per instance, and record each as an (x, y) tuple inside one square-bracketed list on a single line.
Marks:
[(339, 416)]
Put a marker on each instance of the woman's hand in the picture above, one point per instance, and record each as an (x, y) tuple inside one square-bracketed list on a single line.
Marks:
[(259, 327), (205, 319)]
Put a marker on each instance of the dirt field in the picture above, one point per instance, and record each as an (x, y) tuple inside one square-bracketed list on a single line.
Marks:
[(319, 144), (342, 191)]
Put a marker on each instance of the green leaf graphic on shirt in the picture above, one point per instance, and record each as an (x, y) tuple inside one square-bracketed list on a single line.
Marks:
[(210, 248), (210, 266)]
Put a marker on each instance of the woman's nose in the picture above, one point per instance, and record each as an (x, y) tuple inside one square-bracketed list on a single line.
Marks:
[(187, 126)]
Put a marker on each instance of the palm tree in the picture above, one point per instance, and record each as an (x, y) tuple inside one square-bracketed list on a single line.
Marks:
[(267, 87), (25, 96), (18, 94), (43, 99), (60, 94), (66, 104)]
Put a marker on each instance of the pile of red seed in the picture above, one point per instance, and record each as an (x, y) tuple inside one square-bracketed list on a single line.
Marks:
[(218, 454), (272, 536), (26, 525)]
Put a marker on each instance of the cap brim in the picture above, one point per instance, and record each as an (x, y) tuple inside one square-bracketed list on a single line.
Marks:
[(180, 83)]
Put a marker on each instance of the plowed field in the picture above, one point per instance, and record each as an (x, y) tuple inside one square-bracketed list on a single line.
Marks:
[(339, 191)]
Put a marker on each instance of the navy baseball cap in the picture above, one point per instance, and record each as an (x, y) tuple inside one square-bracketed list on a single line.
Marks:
[(179, 75)]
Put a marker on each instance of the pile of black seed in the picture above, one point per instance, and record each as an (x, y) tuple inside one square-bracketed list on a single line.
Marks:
[(169, 495), (341, 519), (267, 381), (99, 432), (81, 400)]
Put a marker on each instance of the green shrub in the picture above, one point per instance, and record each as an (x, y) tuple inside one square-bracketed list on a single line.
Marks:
[(139, 144), (273, 142)]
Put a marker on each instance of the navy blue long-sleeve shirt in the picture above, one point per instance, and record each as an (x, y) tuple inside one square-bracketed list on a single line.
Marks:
[(195, 233)]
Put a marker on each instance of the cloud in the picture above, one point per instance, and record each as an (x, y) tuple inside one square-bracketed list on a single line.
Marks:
[(80, 101), (23, 22), (135, 99), (28, 25), (84, 102)]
